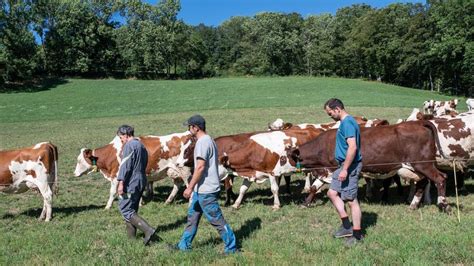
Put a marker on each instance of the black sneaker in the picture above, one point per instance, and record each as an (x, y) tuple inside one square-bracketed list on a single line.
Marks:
[(352, 241), (343, 232)]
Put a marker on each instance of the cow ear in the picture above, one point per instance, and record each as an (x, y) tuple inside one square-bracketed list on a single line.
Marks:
[(224, 160), (87, 153)]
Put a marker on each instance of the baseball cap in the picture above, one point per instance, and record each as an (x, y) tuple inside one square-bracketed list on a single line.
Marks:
[(196, 120)]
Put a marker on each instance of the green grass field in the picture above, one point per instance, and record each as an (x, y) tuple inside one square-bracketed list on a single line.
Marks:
[(86, 113)]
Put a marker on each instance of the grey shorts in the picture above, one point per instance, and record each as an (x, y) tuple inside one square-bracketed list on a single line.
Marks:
[(348, 188)]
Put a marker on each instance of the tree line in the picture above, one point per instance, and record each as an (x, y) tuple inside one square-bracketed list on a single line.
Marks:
[(426, 46)]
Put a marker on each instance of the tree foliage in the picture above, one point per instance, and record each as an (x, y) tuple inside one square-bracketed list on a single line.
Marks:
[(427, 46)]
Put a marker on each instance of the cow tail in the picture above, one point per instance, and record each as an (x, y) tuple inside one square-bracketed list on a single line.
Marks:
[(434, 130), (54, 186)]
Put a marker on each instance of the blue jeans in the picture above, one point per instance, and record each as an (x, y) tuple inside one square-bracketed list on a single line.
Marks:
[(207, 204)]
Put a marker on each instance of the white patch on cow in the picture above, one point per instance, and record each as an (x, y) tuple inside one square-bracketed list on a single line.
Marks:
[(415, 202), (470, 104), (369, 123), (37, 146), (305, 125), (165, 139), (180, 160), (276, 125), (466, 143), (414, 113), (21, 180), (274, 141), (117, 144), (82, 165)]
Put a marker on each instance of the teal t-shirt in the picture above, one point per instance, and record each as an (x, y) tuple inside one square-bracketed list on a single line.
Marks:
[(348, 129)]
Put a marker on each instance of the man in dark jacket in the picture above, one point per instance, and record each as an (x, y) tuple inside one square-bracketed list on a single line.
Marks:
[(132, 182)]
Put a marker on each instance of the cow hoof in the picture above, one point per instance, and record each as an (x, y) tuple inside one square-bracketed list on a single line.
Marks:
[(304, 206), (305, 190), (168, 202), (445, 208), (107, 207), (276, 207), (236, 207), (413, 207)]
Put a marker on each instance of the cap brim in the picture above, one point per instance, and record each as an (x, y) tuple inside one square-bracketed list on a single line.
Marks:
[(185, 124)]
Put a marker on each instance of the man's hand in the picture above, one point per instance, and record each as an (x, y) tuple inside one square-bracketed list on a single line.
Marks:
[(187, 192), (120, 188), (342, 175)]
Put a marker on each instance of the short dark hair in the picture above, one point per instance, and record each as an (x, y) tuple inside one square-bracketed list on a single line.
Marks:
[(333, 103), (126, 130)]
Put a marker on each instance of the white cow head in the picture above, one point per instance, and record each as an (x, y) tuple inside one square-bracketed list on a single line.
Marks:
[(84, 162)]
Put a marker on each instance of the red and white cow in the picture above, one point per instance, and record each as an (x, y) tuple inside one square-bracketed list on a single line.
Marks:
[(470, 104), (34, 167), (279, 124), (439, 108), (407, 149), (163, 152)]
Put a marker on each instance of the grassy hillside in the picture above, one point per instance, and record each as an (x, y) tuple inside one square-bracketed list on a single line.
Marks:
[(86, 113)]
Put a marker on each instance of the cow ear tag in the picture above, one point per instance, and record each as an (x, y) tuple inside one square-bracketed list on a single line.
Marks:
[(94, 165), (298, 167)]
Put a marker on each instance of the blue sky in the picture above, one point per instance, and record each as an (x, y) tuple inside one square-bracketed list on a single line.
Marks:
[(214, 12)]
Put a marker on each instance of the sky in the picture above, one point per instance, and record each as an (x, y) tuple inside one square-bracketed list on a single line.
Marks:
[(214, 12)]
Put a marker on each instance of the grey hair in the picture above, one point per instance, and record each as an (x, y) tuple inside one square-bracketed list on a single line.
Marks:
[(126, 130)]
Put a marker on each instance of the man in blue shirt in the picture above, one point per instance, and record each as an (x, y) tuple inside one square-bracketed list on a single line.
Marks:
[(344, 180)]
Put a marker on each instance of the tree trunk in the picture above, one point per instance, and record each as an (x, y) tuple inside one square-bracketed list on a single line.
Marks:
[(431, 82)]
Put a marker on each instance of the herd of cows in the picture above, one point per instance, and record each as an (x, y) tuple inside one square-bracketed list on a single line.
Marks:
[(417, 149)]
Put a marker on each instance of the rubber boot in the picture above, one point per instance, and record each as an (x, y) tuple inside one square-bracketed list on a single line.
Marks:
[(131, 230), (141, 224)]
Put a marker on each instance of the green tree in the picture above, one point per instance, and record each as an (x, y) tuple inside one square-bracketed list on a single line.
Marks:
[(318, 37), (17, 43)]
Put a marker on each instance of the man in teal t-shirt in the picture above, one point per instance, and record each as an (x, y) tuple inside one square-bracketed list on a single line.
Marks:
[(344, 180)]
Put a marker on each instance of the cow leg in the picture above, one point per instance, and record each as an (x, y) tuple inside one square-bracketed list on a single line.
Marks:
[(47, 195), (396, 179), (439, 179), (420, 186), (386, 187), (307, 183), (274, 187), (176, 183), (148, 195), (288, 183), (230, 195), (427, 194), (312, 192), (112, 193), (245, 186), (369, 186)]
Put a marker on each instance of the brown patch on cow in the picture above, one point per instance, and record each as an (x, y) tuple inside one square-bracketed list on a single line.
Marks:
[(31, 172), (453, 128), (457, 151)]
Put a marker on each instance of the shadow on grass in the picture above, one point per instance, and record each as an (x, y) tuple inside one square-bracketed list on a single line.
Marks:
[(261, 193), (36, 86), (241, 234), (63, 210), (171, 226), (369, 219)]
